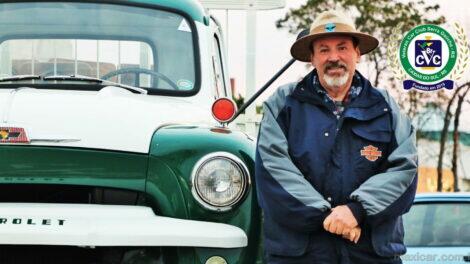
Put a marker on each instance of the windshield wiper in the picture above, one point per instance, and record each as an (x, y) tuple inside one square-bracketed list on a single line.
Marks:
[(71, 78), (20, 78), (91, 79)]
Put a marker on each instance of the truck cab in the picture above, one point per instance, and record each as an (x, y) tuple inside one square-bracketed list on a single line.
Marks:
[(113, 145)]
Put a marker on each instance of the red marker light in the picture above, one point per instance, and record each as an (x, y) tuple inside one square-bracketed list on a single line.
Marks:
[(223, 109)]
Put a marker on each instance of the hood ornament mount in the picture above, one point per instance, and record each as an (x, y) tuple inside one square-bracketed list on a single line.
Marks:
[(11, 134)]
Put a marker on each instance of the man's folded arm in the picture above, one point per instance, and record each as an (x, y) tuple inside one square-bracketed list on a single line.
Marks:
[(282, 190), (391, 193)]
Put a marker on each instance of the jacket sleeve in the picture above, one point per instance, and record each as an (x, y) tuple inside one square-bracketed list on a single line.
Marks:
[(391, 193), (283, 192)]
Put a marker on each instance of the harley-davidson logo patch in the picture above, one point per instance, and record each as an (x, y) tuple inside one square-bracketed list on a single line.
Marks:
[(13, 135), (371, 153)]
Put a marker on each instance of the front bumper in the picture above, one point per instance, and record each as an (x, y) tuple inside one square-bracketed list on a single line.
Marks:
[(91, 225)]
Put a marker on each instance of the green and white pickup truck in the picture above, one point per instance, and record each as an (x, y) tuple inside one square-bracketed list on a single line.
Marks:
[(112, 143)]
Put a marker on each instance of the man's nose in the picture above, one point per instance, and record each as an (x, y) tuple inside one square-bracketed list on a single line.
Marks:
[(333, 56)]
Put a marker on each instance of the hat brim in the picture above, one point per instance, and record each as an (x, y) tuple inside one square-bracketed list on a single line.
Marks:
[(301, 49)]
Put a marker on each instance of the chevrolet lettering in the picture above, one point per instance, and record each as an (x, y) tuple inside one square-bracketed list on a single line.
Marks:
[(31, 221)]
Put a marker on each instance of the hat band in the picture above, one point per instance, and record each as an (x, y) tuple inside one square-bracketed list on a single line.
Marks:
[(332, 28)]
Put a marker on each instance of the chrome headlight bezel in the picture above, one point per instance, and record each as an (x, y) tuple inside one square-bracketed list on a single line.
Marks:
[(198, 196)]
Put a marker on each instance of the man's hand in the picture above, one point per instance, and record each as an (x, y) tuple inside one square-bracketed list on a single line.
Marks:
[(341, 220), (353, 235)]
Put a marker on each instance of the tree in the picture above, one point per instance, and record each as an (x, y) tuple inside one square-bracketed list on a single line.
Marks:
[(445, 130), (455, 151), (443, 138)]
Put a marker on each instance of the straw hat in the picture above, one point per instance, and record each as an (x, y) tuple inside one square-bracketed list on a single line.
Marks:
[(331, 23)]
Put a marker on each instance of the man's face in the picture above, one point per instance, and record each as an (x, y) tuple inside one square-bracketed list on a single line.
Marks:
[(335, 59)]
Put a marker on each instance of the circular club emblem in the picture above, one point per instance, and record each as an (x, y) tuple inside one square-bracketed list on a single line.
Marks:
[(428, 53)]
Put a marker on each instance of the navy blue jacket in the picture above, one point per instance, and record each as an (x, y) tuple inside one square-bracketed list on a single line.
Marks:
[(309, 160)]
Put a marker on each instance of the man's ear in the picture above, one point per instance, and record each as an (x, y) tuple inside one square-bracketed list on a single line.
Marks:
[(358, 55), (311, 57)]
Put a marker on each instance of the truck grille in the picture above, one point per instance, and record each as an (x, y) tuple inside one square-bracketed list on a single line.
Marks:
[(76, 255), (43, 193)]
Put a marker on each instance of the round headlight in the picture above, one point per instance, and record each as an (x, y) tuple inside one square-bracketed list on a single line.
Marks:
[(219, 181)]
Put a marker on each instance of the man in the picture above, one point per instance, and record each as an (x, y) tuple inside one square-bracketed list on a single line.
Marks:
[(336, 161)]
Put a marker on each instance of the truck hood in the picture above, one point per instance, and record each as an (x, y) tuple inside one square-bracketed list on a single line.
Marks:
[(112, 118)]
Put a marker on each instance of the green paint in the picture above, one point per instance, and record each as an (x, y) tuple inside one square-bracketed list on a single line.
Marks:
[(164, 191), (53, 165), (180, 147), (173, 153), (191, 7)]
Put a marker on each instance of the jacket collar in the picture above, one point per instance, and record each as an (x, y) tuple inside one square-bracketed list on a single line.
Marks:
[(304, 91), (365, 106)]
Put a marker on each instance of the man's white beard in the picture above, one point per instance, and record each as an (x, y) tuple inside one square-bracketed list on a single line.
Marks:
[(334, 81)]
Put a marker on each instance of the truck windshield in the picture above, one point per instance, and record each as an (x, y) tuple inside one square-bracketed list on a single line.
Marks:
[(144, 47)]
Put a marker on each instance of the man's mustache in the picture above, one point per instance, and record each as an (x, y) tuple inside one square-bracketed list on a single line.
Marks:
[(335, 64)]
